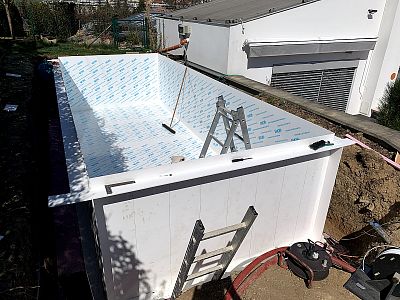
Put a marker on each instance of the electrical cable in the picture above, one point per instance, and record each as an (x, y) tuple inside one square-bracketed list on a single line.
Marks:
[(335, 253), (358, 236), (365, 232), (374, 248), (349, 256)]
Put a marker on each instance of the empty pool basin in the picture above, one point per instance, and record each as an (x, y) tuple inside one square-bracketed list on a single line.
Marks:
[(118, 156)]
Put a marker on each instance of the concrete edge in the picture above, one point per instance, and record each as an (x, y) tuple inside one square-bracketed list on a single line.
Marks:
[(356, 122)]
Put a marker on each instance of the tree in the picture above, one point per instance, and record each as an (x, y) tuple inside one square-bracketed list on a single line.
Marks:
[(151, 31), (141, 6), (7, 8), (389, 108)]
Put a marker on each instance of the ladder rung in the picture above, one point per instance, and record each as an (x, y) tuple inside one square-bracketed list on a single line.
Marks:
[(204, 272), (225, 110), (222, 231), (226, 116), (239, 137), (213, 253), (217, 140)]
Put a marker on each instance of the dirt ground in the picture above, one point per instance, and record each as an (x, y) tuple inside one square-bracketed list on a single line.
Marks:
[(27, 248), (366, 189), (277, 283), (18, 262)]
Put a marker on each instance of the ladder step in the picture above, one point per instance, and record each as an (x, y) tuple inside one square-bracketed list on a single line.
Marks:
[(204, 272), (223, 231), (223, 114), (225, 110), (239, 137), (213, 253), (217, 140)]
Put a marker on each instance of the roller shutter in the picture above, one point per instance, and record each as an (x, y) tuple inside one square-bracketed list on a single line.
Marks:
[(329, 87)]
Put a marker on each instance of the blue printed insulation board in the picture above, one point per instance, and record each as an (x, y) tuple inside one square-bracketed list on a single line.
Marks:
[(118, 103)]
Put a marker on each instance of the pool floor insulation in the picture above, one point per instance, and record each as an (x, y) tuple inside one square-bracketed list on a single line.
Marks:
[(122, 138)]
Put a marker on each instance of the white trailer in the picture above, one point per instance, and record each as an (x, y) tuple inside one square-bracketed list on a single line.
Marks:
[(118, 156)]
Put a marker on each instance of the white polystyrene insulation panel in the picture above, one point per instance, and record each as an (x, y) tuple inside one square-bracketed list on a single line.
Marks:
[(119, 102), (267, 124), (155, 230), (109, 80)]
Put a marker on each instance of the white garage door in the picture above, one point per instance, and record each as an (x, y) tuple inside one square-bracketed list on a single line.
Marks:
[(330, 87)]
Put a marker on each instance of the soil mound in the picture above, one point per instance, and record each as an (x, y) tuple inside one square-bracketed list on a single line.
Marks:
[(366, 189)]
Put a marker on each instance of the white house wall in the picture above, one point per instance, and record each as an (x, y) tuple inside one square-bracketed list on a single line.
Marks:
[(208, 47), (388, 57), (355, 98), (321, 20)]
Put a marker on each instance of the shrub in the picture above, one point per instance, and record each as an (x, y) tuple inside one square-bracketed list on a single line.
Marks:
[(56, 19), (389, 108), (134, 38)]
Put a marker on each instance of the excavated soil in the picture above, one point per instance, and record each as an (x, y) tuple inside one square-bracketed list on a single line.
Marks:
[(366, 189)]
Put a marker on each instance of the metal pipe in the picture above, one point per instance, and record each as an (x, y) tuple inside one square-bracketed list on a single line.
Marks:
[(233, 290), (337, 262), (302, 264), (174, 47), (179, 95)]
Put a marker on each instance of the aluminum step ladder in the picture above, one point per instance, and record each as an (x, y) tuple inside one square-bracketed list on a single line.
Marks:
[(227, 253), (232, 119)]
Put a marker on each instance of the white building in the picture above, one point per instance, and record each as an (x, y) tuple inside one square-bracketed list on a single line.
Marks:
[(341, 53)]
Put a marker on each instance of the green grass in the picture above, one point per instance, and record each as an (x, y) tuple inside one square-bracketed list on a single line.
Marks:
[(71, 49)]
